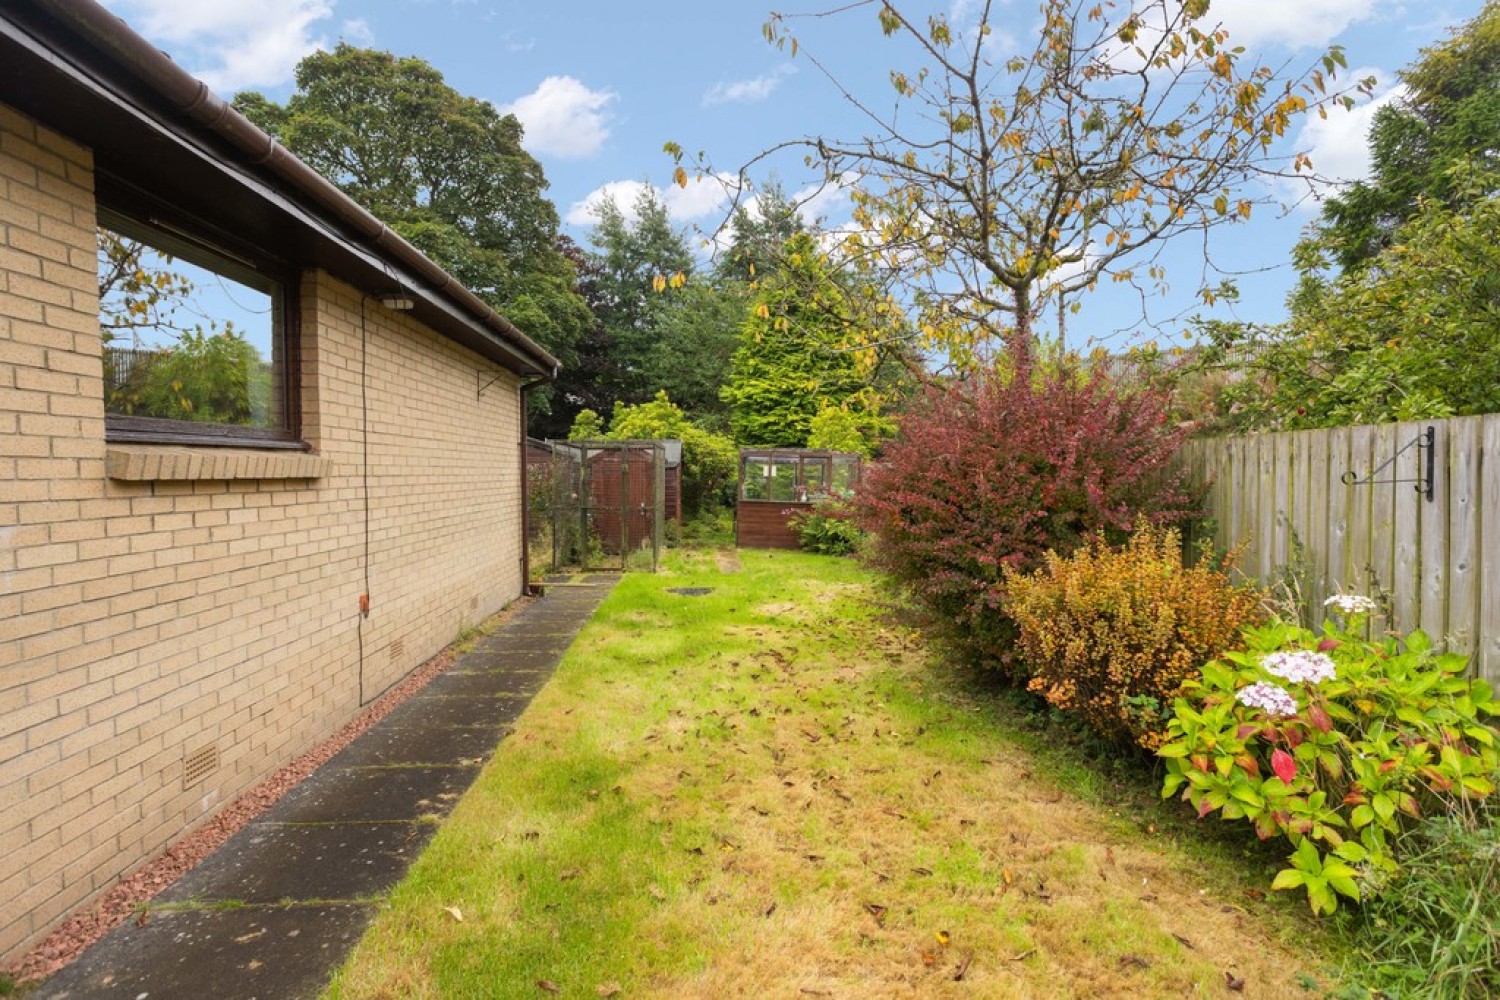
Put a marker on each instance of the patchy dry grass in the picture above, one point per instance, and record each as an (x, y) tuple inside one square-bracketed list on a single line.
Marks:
[(765, 792)]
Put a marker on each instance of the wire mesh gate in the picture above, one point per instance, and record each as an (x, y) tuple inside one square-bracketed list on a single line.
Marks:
[(609, 509)]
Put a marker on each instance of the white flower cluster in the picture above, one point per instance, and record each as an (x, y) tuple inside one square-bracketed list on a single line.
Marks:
[(1351, 604), (1299, 667), (1274, 701)]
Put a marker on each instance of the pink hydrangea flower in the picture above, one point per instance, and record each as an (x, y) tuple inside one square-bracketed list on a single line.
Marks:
[(1274, 701), (1299, 667)]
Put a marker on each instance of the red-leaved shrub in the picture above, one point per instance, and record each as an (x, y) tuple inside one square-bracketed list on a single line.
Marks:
[(991, 476)]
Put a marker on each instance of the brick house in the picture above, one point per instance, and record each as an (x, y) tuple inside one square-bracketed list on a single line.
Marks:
[(180, 598)]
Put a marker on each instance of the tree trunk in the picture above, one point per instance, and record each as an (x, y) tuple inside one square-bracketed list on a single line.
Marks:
[(1023, 340)]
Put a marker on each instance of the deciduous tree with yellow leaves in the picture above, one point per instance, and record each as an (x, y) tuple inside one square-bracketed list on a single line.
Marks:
[(998, 187)]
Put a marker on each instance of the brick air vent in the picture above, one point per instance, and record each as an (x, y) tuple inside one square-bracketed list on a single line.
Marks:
[(474, 602), (398, 649), (199, 764)]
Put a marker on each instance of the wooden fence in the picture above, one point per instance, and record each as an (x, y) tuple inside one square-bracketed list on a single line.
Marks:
[(1436, 561)]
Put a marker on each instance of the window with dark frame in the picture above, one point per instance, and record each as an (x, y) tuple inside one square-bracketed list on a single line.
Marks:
[(796, 477), (197, 338)]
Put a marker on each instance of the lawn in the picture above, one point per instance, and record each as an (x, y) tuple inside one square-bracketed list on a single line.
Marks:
[(769, 791)]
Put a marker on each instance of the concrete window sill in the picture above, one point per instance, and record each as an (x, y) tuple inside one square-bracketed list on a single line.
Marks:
[(157, 463)]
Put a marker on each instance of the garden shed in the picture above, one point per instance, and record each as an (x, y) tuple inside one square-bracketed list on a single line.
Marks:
[(777, 484), (198, 589)]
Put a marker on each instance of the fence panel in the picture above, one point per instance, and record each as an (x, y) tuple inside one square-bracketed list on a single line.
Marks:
[(1437, 561), (1361, 448), (1434, 546), (1319, 516), (1463, 531), (1335, 562), (1406, 602), (1487, 570)]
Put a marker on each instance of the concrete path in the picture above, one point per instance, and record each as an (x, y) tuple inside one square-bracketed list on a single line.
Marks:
[(274, 910)]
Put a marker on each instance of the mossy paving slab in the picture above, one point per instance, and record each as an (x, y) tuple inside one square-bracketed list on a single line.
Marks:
[(374, 794), (464, 746), (518, 650), (460, 709), (251, 953), (272, 863), (509, 692)]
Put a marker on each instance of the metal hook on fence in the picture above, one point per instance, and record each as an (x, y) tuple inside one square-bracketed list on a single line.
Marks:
[(1426, 455)]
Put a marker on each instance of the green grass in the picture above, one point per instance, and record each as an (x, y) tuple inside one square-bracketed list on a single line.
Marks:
[(772, 791)]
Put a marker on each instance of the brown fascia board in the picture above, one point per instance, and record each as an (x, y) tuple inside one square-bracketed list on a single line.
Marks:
[(191, 98)]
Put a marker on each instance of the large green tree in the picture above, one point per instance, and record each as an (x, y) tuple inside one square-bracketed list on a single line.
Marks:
[(758, 231), (804, 346), (640, 261), (695, 338), (445, 171), (1414, 333), (1396, 314), (1425, 147)]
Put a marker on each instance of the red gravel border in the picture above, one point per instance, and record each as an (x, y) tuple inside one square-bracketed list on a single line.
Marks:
[(88, 924)]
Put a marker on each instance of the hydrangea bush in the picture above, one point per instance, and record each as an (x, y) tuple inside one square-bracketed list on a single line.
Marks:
[(1336, 743)]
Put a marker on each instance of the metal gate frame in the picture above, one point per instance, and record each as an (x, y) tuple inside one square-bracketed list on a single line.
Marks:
[(609, 509)]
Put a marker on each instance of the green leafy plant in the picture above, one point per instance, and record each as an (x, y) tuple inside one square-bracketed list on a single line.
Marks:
[(806, 344), (828, 529), (1432, 932), (1337, 743)]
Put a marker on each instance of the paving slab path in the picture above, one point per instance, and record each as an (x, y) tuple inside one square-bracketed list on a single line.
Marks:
[(271, 913)]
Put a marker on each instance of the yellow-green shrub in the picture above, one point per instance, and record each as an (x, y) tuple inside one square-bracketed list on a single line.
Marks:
[(1112, 633)]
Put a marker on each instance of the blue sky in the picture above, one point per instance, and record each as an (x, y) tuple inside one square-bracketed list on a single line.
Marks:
[(600, 86)]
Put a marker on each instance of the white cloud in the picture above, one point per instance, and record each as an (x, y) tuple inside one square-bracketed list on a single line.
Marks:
[(1086, 258), (1253, 24), (357, 31), (821, 201), (963, 15), (515, 43), (703, 196), (564, 118), (1296, 24), (748, 91), (1338, 145), (233, 44), (622, 193)]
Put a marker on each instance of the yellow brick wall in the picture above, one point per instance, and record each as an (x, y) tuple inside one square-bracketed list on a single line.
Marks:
[(142, 620)]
